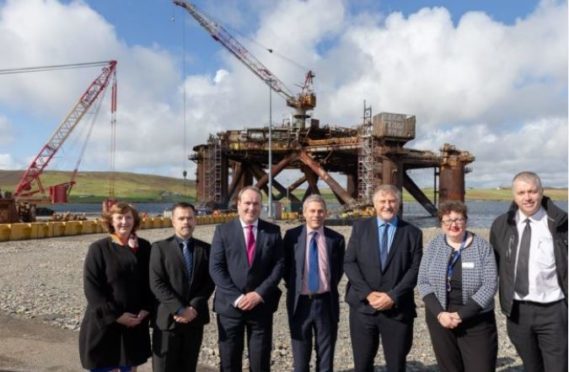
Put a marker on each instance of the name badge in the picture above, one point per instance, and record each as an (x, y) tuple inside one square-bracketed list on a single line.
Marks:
[(468, 265)]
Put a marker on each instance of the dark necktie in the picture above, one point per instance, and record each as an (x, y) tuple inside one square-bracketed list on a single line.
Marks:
[(522, 274), (250, 244), (313, 267), (383, 245), (187, 258)]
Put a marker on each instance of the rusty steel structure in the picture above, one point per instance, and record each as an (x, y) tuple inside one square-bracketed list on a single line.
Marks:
[(369, 155)]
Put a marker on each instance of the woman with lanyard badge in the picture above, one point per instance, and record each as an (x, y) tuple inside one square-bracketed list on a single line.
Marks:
[(457, 281)]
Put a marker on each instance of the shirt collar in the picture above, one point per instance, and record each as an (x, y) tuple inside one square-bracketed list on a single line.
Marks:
[(319, 230), (244, 225), (537, 216), (392, 222), (180, 241)]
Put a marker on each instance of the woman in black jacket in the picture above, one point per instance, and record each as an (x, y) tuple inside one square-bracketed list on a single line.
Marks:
[(114, 333)]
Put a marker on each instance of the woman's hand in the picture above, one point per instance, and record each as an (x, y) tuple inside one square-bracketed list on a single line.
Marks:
[(129, 320), (449, 320)]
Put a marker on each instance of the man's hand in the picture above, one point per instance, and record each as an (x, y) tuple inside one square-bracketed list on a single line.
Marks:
[(142, 314), (249, 301), (128, 320), (187, 315), (380, 301), (449, 320)]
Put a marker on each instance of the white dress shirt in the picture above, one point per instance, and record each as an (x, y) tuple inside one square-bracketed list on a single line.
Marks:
[(543, 282)]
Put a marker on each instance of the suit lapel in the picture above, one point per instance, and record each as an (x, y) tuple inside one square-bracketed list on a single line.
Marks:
[(239, 236), (197, 257), (329, 245), (300, 253), (373, 237), (393, 247)]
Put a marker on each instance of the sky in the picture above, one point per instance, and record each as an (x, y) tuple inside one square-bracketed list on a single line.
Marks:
[(489, 77)]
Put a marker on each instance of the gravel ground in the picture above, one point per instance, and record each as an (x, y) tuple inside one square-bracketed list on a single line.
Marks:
[(42, 279)]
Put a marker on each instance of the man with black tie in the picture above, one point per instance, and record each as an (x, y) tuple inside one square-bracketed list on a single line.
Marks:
[(246, 265), (382, 262), (180, 281), (314, 258), (530, 242)]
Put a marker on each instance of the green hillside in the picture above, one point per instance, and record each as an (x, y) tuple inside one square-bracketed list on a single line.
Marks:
[(94, 187)]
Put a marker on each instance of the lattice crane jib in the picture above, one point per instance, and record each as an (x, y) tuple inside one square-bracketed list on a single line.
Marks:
[(302, 102), (24, 188)]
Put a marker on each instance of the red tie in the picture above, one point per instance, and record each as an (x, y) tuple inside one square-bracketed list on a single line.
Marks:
[(250, 245)]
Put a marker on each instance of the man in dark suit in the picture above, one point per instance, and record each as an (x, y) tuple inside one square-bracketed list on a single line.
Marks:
[(382, 263), (314, 259), (246, 265), (180, 281)]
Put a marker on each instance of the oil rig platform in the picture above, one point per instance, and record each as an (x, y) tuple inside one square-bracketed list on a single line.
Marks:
[(369, 155)]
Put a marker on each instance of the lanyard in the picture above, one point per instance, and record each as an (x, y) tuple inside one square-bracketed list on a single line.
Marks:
[(454, 257)]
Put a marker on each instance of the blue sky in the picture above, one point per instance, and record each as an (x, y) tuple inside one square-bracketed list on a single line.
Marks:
[(487, 76)]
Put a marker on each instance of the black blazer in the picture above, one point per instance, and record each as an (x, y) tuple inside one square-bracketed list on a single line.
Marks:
[(171, 287), (295, 259), (115, 281), (399, 277), (232, 275)]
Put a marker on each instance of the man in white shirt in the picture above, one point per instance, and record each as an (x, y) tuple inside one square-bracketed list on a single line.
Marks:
[(530, 242)]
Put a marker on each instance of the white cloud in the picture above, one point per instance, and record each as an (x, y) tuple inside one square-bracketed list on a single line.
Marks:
[(498, 91)]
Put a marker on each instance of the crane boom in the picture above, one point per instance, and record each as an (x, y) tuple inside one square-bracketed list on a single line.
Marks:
[(42, 159), (302, 102)]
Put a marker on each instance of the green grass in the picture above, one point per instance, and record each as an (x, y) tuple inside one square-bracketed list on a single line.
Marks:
[(92, 187)]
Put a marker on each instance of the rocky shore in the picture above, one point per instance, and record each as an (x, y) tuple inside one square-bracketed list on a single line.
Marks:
[(42, 280)]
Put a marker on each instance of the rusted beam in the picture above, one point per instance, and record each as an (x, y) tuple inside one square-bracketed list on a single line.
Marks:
[(418, 194), (276, 169), (236, 178), (331, 182), (293, 186)]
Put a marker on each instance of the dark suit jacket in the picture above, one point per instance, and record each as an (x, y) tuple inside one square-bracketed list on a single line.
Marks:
[(399, 277), (169, 282), (295, 259), (232, 275)]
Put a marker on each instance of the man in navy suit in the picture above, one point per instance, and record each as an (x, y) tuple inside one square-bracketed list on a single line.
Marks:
[(180, 281), (382, 263), (314, 258), (246, 265)]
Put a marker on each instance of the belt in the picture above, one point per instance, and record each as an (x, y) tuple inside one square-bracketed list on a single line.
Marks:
[(314, 296), (537, 303)]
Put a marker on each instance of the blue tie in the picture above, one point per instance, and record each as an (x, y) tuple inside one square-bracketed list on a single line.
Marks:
[(313, 269), (383, 245), (187, 259)]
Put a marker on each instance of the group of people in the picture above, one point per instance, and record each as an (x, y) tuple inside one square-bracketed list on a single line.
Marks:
[(130, 283)]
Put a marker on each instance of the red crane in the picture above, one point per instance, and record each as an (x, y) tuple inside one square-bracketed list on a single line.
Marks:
[(58, 193), (302, 102)]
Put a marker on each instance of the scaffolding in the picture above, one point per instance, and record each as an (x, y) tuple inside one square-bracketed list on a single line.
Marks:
[(366, 164), (213, 173)]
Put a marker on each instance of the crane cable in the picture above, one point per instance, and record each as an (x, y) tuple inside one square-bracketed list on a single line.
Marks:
[(21, 70), (184, 102)]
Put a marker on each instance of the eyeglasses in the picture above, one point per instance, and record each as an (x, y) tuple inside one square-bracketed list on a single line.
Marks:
[(458, 221)]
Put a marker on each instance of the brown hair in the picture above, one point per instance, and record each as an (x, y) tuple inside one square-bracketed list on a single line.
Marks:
[(119, 208), (455, 206)]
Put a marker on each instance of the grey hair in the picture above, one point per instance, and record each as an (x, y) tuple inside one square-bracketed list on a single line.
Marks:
[(314, 198), (529, 177), (387, 189)]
